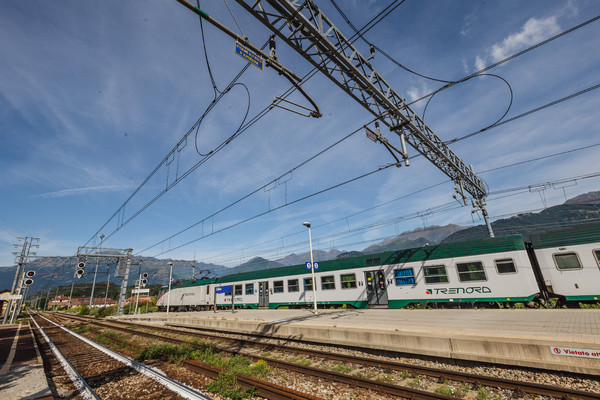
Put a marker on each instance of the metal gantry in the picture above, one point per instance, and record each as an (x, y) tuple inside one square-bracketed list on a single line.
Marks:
[(312, 34), (123, 257)]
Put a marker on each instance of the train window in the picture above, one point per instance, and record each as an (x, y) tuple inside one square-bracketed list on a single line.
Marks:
[(328, 282), (505, 266), (435, 274), (404, 276), (249, 288), (597, 254), (308, 284), (278, 287), (565, 261), (238, 290), (348, 281), (293, 285), (373, 261), (471, 271)]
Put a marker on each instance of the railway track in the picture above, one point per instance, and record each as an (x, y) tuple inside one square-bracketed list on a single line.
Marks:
[(99, 373), (474, 380), (262, 388)]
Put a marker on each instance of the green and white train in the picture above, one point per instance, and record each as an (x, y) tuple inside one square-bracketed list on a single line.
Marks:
[(562, 264)]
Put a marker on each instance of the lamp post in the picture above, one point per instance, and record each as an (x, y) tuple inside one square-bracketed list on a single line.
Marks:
[(170, 263), (96, 272), (312, 266)]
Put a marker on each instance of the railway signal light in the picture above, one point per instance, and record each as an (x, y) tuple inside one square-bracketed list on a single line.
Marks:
[(28, 282), (30, 274), (80, 270), (144, 279)]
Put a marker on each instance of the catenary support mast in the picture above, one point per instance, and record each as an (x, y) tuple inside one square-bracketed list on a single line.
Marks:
[(310, 32)]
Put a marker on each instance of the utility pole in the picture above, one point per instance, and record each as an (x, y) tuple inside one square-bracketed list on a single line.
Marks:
[(70, 296), (96, 272), (18, 280), (107, 282)]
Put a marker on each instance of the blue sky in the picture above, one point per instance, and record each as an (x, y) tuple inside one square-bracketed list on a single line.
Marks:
[(94, 95)]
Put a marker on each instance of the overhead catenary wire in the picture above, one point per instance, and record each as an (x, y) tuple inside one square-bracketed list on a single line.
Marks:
[(313, 157), (369, 28), (438, 184), (378, 18)]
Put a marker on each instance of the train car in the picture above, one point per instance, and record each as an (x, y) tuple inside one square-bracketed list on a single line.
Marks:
[(569, 260), (188, 296), (480, 272)]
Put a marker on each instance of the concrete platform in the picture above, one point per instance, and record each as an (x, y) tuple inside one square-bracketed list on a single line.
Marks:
[(563, 340), (22, 373)]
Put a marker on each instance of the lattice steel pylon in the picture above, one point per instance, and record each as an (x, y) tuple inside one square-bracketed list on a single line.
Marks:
[(312, 34)]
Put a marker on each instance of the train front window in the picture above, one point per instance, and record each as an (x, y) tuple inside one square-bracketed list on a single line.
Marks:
[(506, 266), (471, 271), (404, 276), (567, 261), (597, 254), (328, 282), (348, 281), (308, 284), (293, 285), (435, 274), (278, 287), (249, 288)]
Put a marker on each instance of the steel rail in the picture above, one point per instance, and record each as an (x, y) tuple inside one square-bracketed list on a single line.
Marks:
[(351, 380), (517, 386), (82, 386), (177, 387), (263, 388)]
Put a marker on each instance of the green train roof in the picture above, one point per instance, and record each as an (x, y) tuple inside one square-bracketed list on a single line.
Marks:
[(459, 249), (569, 236)]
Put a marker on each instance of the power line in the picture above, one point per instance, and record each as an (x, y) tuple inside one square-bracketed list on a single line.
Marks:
[(276, 208), (378, 18), (555, 102), (540, 158), (535, 46)]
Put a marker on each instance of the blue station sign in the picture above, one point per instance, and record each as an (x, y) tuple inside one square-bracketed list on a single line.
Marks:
[(308, 266), (224, 289), (248, 55)]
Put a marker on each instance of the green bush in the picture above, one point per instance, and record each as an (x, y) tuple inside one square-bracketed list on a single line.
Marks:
[(85, 310)]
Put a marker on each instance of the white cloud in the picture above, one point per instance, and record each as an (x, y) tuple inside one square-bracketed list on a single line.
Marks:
[(479, 63), (79, 191), (415, 93), (534, 31)]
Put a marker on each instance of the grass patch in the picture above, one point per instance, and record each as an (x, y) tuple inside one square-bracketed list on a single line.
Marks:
[(341, 368), (483, 394), (227, 385), (80, 328), (445, 390), (206, 353)]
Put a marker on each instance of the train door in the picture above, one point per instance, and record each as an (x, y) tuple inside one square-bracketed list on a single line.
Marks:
[(376, 292), (263, 294)]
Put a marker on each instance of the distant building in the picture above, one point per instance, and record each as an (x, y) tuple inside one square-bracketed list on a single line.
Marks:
[(63, 301), (142, 300)]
